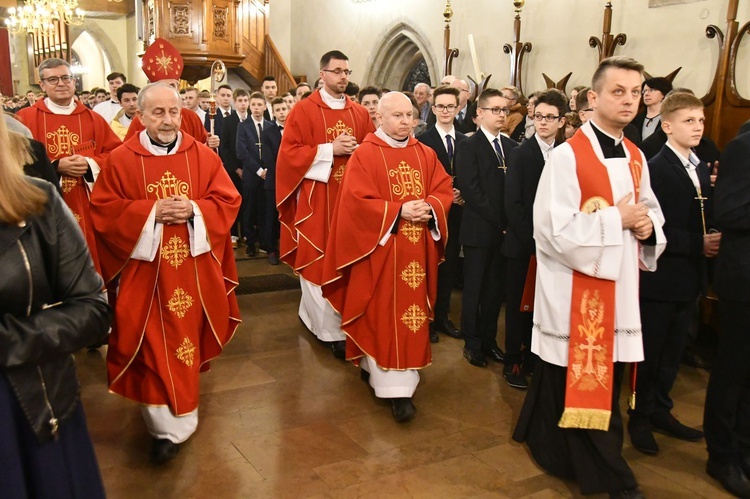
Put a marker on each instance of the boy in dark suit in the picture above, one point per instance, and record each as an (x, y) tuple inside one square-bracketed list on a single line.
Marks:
[(525, 166), (227, 131), (480, 174), (443, 139), (280, 110), (668, 295), (254, 149)]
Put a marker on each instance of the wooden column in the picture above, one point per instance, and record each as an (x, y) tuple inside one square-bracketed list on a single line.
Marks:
[(517, 49)]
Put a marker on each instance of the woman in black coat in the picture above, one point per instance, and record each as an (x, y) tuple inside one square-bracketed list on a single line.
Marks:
[(51, 305)]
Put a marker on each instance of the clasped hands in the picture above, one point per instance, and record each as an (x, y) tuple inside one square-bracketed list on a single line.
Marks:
[(416, 211), (73, 166), (344, 145), (635, 218), (174, 210)]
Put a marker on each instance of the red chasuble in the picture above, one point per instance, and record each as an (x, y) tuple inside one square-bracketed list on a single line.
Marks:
[(82, 132), (385, 294), (190, 124), (306, 206), (176, 313)]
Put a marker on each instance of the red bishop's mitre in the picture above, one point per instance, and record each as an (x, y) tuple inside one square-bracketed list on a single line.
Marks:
[(162, 61)]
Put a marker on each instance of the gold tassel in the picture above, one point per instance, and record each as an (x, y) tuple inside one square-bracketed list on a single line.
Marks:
[(631, 400), (587, 419)]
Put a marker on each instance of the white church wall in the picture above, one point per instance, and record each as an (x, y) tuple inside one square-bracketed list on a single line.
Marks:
[(663, 39)]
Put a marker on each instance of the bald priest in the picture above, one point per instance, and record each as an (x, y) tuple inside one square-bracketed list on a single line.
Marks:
[(387, 238)]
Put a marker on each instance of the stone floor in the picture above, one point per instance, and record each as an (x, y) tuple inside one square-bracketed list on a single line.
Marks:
[(280, 417)]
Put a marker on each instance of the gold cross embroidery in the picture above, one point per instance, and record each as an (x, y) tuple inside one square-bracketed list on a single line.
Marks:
[(414, 318), (186, 352), (67, 183), (413, 275), (339, 173), (168, 186), (408, 181), (180, 303), (411, 231), (175, 252)]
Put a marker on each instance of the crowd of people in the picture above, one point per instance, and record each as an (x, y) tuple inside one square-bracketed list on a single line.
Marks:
[(594, 218)]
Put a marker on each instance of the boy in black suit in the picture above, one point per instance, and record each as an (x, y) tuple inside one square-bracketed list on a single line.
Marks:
[(668, 295), (254, 149), (226, 128), (280, 110), (525, 166), (443, 139), (480, 175)]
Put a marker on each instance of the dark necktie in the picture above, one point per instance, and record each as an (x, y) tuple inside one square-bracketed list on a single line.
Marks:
[(449, 142), (259, 144), (499, 153), (226, 114)]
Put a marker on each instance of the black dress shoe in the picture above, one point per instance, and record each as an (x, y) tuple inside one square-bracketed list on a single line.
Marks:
[(403, 409), (273, 258), (495, 354), (693, 359), (730, 476), (434, 338), (666, 423), (339, 349), (163, 450), (364, 375), (250, 250), (475, 358), (643, 439), (514, 377), (446, 327)]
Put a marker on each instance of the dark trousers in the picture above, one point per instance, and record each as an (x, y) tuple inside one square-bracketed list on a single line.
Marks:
[(272, 226), (665, 329), (253, 218), (450, 268), (726, 421), (593, 458), (517, 324), (237, 181), (483, 295)]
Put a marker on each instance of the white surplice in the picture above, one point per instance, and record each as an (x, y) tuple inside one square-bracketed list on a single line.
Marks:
[(593, 244)]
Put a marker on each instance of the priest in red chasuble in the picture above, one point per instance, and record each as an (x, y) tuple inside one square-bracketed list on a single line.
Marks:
[(163, 62), (320, 134), (77, 140), (388, 233), (162, 210)]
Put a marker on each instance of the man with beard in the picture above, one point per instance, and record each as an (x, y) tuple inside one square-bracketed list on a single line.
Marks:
[(163, 211), (321, 132)]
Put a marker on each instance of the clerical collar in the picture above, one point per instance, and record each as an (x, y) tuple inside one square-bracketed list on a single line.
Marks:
[(168, 147), (398, 144), (611, 146), (331, 101), (60, 109)]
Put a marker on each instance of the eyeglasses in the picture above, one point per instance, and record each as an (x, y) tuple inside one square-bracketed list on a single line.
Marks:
[(548, 118), (530, 104), (649, 90), (497, 110), (54, 80), (441, 108), (338, 71)]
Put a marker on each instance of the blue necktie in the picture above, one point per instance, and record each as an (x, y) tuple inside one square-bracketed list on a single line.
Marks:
[(499, 153)]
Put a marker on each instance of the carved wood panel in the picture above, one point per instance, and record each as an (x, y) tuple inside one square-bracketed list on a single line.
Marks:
[(180, 21)]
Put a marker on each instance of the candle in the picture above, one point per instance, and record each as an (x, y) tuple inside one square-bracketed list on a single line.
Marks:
[(474, 58)]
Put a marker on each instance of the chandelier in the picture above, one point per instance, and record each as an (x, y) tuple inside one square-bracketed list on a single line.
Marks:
[(42, 16)]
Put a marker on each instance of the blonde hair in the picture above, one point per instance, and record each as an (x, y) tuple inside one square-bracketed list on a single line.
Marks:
[(20, 197)]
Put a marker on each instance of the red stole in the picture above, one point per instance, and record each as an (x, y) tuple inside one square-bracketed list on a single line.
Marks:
[(386, 294), (306, 206), (588, 393)]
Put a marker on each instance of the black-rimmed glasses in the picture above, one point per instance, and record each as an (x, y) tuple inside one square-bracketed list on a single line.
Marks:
[(497, 110), (548, 118), (54, 80), (338, 71)]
